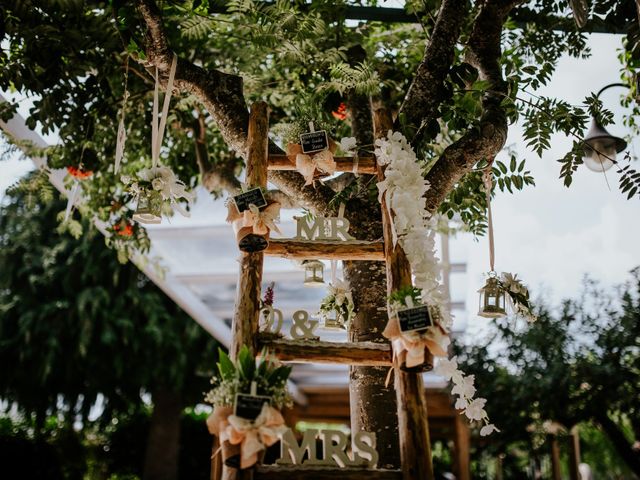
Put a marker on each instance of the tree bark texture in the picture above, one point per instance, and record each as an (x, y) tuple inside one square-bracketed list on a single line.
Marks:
[(163, 443), (370, 400)]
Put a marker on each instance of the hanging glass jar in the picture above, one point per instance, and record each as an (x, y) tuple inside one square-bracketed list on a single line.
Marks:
[(492, 299), (149, 209), (337, 322), (313, 273)]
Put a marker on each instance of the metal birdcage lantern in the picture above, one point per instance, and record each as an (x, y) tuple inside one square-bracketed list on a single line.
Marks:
[(149, 209), (313, 273), (492, 299)]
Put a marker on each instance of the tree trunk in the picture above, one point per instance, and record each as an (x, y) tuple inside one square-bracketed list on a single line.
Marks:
[(620, 443), (163, 443)]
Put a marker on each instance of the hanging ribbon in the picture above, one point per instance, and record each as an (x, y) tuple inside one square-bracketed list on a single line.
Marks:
[(260, 222), (355, 164), (121, 136), (74, 195), (487, 177), (158, 124), (314, 164), (252, 436)]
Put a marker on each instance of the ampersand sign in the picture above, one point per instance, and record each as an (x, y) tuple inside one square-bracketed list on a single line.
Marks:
[(302, 327)]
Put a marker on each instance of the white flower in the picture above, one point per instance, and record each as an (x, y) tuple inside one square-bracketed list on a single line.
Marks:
[(464, 387), (447, 368), (461, 403), (348, 143), (475, 409), (126, 179), (488, 430)]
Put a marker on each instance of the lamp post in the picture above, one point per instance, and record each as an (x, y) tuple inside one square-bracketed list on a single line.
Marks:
[(600, 147)]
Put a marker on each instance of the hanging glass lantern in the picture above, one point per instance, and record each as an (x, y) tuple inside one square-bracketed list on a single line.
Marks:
[(149, 210), (492, 299), (313, 273)]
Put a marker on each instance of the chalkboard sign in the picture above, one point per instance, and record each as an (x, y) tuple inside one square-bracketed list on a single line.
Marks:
[(416, 318), (314, 141), (253, 196), (249, 406)]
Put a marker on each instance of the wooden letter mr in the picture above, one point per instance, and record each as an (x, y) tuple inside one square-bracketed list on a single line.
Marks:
[(322, 228)]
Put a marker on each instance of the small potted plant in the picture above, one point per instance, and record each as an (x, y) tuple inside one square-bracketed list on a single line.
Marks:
[(247, 397), (415, 330)]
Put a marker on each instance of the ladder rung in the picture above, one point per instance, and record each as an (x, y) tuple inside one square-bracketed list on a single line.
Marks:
[(329, 250), (343, 164), (309, 351), (299, 472)]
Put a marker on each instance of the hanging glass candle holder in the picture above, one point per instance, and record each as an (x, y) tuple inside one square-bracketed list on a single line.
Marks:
[(492, 299), (149, 210), (313, 273)]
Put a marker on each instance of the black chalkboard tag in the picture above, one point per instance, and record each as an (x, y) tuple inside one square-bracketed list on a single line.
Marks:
[(253, 196), (415, 319), (249, 406), (314, 141)]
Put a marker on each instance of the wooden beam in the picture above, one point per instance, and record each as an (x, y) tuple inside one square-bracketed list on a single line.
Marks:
[(269, 472), (359, 353), (555, 457), (366, 165), (415, 445), (247, 306), (462, 442), (328, 250)]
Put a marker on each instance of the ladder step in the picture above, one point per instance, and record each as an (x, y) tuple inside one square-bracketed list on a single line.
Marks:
[(329, 250), (366, 165), (312, 351), (298, 472)]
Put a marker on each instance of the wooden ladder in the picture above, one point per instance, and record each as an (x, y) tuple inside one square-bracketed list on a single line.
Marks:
[(415, 447)]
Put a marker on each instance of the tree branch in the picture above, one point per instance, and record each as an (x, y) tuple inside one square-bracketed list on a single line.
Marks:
[(222, 96), (485, 140), (428, 89)]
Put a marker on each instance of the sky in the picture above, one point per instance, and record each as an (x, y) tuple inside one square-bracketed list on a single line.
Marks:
[(549, 235)]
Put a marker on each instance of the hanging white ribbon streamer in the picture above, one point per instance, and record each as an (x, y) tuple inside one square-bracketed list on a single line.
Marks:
[(487, 186), (121, 136), (334, 263), (74, 194), (355, 164), (158, 124)]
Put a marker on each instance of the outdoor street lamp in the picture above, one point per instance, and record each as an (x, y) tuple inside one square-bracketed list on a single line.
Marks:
[(600, 147)]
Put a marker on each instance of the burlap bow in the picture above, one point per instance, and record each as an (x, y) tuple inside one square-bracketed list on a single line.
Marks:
[(309, 165), (260, 221), (252, 436), (414, 343)]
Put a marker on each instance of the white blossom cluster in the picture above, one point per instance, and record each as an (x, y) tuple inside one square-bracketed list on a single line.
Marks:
[(163, 181), (403, 188), (463, 387)]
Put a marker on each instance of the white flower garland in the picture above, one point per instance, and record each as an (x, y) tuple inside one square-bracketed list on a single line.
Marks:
[(413, 227)]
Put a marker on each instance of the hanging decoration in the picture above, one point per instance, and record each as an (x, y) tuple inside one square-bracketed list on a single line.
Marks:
[(158, 187), (253, 218), (78, 174), (247, 398), (313, 156), (337, 308), (415, 331), (313, 273), (506, 289), (121, 136), (414, 229)]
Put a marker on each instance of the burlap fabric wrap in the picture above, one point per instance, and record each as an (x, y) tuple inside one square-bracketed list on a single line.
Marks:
[(414, 351), (254, 222), (313, 165), (242, 440)]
